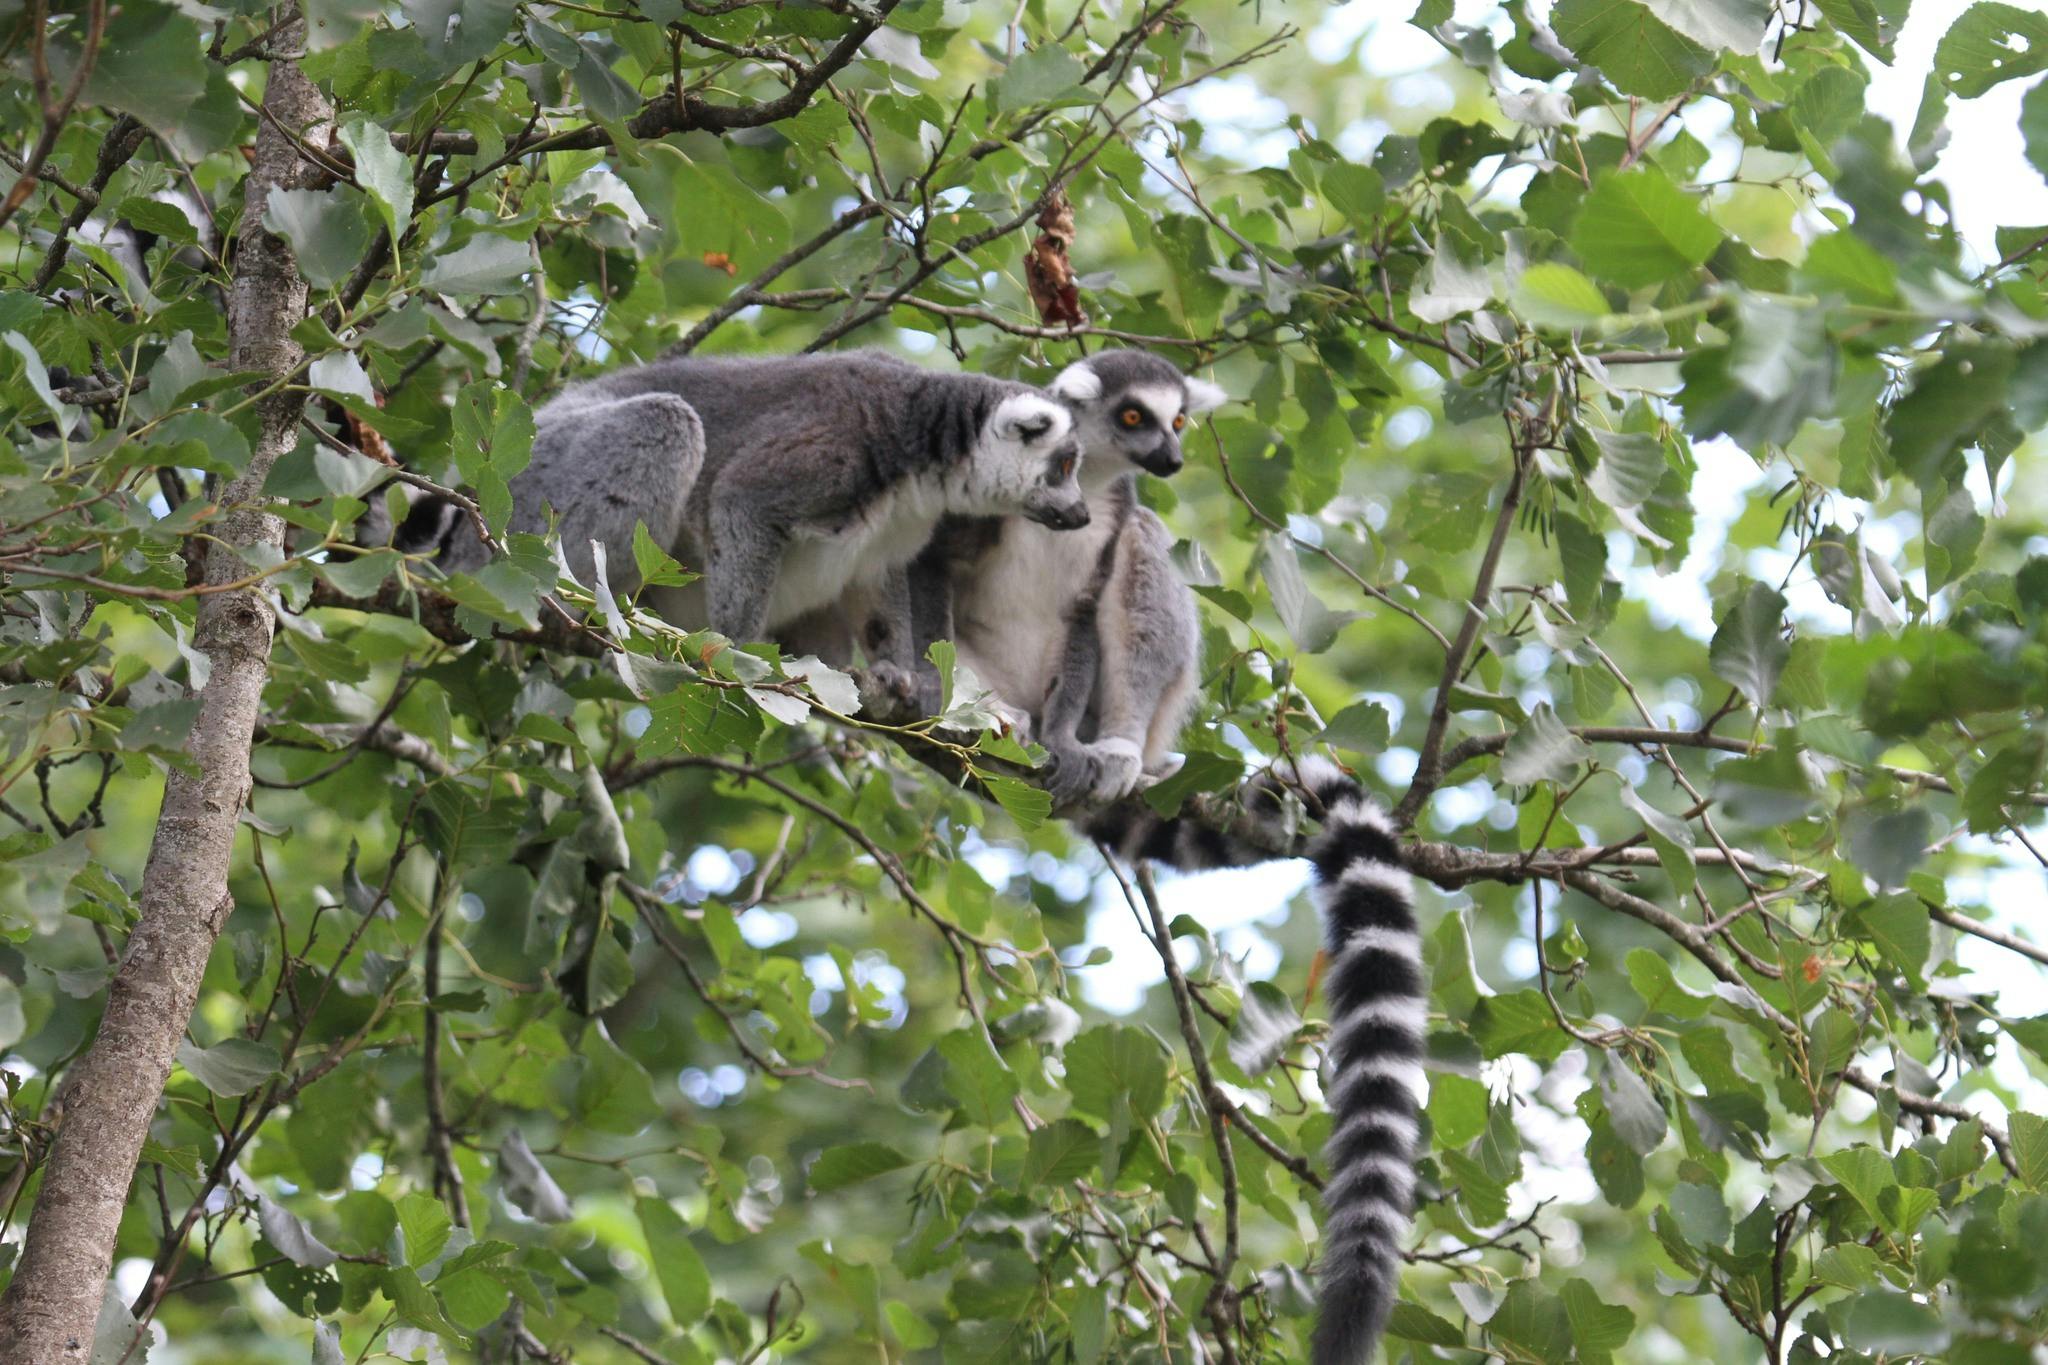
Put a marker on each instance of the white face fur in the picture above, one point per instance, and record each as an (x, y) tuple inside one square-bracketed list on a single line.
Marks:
[(1028, 460), (1136, 427)]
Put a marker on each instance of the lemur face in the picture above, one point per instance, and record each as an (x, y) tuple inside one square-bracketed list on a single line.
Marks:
[(1130, 408), (1030, 462)]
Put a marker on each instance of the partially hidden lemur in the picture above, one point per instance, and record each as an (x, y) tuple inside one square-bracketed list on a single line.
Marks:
[(1379, 1011), (793, 481), (1089, 638)]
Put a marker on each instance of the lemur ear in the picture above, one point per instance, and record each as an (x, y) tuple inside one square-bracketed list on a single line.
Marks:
[(1077, 384), (1203, 396), (1025, 417)]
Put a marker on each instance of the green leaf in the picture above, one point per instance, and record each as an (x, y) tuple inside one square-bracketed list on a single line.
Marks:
[(1991, 43), (1046, 74), (1748, 651), (1029, 806), (1701, 1213), (424, 1222), (1552, 294), (1872, 25), (1638, 229), (1413, 1322), (1114, 1062), (1361, 728), (838, 1167), (1894, 1325), (2034, 125), (1060, 1152), (1633, 1109), (1445, 511), (1634, 49), (685, 1283), (458, 31), (382, 171), (1598, 1327), (980, 1083), (1542, 750), (1737, 25), (1651, 976), (1670, 836), (718, 215), (1864, 1173), (1457, 1109), (1519, 1021), (230, 1068), (1899, 925), (614, 1093), (1355, 191), (2030, 1148), (486, 264)]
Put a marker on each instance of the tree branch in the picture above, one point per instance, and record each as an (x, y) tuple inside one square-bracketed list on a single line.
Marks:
[(49, 1309)]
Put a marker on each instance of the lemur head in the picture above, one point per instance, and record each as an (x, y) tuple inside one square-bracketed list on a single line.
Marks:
[(1129, 410), (1029, 462)]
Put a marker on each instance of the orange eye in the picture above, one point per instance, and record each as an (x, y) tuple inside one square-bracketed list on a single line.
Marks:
[(1066, 469), (1180, 421), (1131, 417)]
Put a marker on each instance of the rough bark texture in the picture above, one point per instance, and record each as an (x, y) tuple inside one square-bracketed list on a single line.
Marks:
[(50, 1307)]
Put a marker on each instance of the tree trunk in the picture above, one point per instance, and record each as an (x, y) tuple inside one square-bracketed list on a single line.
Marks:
[(49, 1310)]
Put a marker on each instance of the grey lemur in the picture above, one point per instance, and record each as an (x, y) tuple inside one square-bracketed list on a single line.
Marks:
[(1089, 638), (1379, 1012), (793, 482)]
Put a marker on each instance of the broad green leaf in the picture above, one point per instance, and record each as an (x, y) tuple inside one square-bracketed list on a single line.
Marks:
[(2030, 1148), (1737, 25), (1633, 1109), (486, 264), (1899, 925), (1894, 1325), (685, 1283), (382, 171), (1638, 229), (1552, 294), (978, 1078), (1112, 1063), (1749, 651), (1542, 750), (1046, 74), (424, 1222), (1633, 48), (1991, 43), (1060, 1152), (838, 1167), (233, 1067)]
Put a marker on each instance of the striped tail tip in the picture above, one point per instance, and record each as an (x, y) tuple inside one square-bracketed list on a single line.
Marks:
[(1378, 1007)]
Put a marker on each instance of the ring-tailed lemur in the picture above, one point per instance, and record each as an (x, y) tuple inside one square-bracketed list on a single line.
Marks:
[(816, 478), (1091, 639), (1379, 1009), (602, 464)]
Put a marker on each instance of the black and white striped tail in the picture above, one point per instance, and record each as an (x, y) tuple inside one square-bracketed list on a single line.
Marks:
[(1378, 1003)]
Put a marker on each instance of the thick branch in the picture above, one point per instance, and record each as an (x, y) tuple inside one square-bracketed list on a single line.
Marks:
[(50, 1307)]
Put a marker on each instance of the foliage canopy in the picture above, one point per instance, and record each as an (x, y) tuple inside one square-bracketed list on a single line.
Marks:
[(604, 992)]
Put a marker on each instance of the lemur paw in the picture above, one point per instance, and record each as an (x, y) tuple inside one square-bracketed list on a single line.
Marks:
[(1118, 765), (1165, 768), (1072, 777), (889, 694)]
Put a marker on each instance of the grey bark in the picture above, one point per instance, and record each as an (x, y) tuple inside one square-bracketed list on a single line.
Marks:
[(111, 1095)]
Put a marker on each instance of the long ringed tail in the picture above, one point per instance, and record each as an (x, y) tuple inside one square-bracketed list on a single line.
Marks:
[(1378, 1006)]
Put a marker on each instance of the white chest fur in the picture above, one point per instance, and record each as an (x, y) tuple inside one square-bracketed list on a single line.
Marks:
[(822, 563), (1011, 620)]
